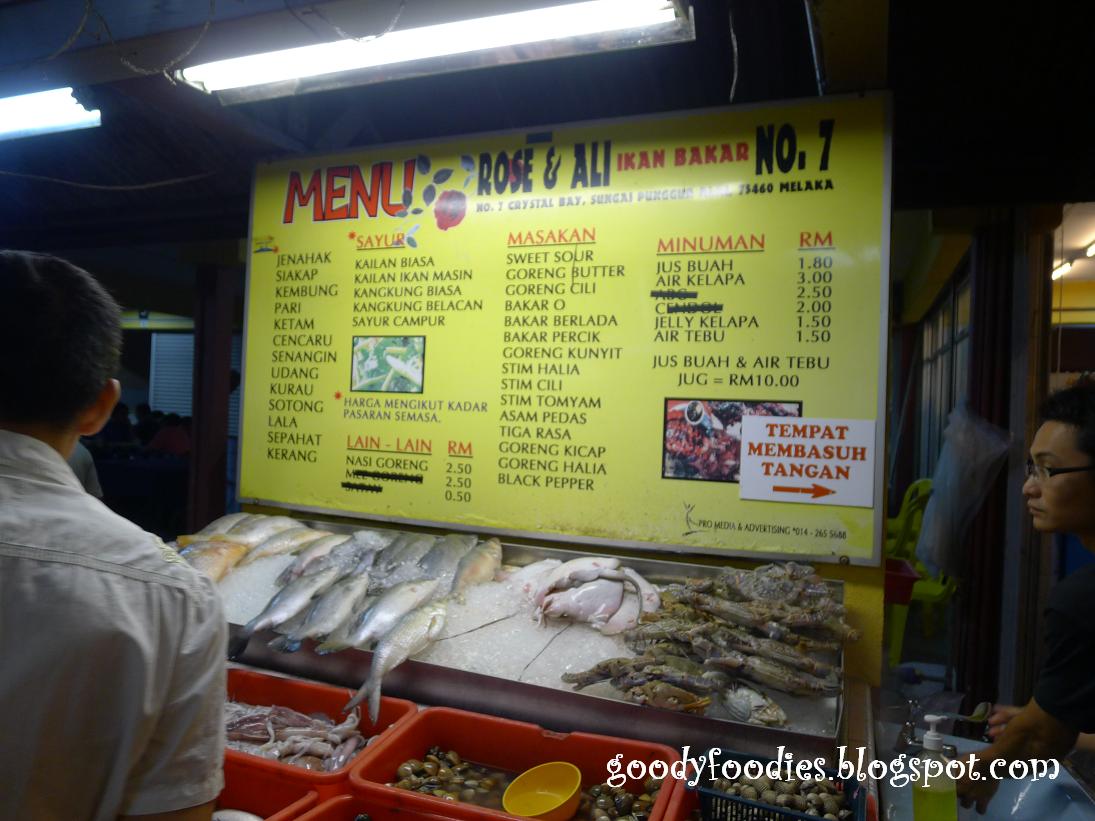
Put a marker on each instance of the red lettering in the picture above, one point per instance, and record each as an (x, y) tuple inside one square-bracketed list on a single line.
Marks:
[(296, 194), (336, 192)]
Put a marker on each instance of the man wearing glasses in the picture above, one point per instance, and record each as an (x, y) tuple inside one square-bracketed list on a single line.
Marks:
[(1060, 494)]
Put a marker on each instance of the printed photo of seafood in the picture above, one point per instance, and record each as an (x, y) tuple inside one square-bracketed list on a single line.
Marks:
[(703, 436), (388, 364)]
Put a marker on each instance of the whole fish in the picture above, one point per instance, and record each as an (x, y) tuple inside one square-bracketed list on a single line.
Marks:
[(333, 607), (594, 602), (528, 579), (310, 553), (257, 529), (406, 564), (443, 559), (291, 599), (386, 611), (197, 547), (478, 565), (625, 618), (376, 539), (389, 556), (413, 634), (288, 541), (339, 638), (215, 527), (216, 561), (572, 574)]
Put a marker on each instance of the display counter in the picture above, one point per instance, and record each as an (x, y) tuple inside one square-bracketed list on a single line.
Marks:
[(813, 723)]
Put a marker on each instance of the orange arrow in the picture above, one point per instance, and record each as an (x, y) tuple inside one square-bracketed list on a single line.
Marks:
[(817, 491)]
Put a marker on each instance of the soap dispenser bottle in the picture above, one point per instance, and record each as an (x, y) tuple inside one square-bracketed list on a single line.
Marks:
[(938, 799)]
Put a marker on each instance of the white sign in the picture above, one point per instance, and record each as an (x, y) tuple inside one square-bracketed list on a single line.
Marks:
[(813, 461)]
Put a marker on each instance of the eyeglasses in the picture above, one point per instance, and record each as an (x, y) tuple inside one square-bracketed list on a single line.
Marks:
[(1041, 473)]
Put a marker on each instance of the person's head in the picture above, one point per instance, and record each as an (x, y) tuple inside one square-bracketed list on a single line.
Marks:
[(120, 412), (1064, 501), (61, 337), (143, 411), (172, 420)]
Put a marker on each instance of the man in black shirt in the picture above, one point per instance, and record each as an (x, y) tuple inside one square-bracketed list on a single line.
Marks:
[(1060, 493)]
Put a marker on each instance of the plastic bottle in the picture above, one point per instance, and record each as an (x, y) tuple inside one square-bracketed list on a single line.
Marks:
[(938, 800)]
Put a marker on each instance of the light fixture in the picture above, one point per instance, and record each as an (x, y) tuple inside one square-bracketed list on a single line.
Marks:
[(1090, 250), (43, 112), (1061, 270), (543, 33)]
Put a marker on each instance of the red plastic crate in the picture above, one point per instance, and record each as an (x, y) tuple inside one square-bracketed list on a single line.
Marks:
[(900, 578), (683, 803), (513, 746), (308, 697), (264, 793), (348, 807)]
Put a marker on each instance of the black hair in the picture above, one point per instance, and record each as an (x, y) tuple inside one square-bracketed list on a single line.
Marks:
[(61, 337), (1075, 406)]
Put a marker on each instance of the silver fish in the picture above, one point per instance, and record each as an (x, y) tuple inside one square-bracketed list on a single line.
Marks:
[(406, 565), (258, 529), (387, 610), (375, 539), (311, 552), (339, 638), (291, 599), (288, 541), (413, 634), (215, 527), (478, 565), (443, 559), (333, 607)]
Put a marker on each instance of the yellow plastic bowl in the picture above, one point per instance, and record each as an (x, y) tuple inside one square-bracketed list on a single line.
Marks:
[(549, 792)]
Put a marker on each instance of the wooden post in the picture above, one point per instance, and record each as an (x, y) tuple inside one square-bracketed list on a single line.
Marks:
[(215, 304)]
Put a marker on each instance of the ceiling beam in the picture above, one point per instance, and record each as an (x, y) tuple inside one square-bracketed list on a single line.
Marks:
[(180, 102)]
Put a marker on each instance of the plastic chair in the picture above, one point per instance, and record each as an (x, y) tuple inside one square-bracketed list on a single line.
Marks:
[(903, 530), (933, 594)]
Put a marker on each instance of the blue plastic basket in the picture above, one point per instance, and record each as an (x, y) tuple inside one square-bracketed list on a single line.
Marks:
[(716, 805)]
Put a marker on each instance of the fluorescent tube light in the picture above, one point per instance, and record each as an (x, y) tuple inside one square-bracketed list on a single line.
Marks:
[(1090, 250), (43, 112), (596, 17), (1061, 270)]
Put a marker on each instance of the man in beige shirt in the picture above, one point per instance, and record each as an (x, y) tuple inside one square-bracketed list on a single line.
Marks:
[(111, 647)]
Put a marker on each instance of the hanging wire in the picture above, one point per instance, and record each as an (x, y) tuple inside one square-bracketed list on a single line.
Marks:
[(88, 6), (301, 20), (93, 187), (734, 50), (146, 72), (398, 13)]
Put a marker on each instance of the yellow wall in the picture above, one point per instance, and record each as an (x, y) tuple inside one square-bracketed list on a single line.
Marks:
[(863, 590), (1073, 295), (935, 264)]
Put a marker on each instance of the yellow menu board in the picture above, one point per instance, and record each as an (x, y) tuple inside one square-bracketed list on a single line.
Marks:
[(559, 332)]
